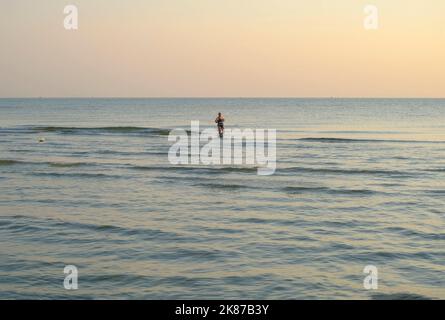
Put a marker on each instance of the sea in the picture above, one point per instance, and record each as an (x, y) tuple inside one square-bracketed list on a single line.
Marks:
[(359, 185)]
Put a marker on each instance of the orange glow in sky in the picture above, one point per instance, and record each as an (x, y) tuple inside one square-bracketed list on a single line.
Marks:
[(237, 48)]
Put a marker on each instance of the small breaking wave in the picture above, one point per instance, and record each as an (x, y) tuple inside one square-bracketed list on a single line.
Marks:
[(225, 186), (399, 296), (106, 130), (346, 140), (300, 190), (344, 171), (76, 175), (70, 164), (5, 162), (194, 169)]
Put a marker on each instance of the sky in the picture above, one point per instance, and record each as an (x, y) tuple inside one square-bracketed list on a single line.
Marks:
[(222, 48)]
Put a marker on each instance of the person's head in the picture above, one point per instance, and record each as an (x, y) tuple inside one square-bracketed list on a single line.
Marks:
[(219, 114)]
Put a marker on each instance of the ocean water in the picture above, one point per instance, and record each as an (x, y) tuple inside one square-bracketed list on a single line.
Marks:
[(358, 182)]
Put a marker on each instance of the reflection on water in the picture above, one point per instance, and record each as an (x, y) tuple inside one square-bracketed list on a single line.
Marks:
[(358, 182)]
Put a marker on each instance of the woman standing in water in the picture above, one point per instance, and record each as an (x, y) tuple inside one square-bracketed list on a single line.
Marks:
[(220, 123)]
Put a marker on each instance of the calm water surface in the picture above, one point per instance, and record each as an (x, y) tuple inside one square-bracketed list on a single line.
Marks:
[(358, 182)]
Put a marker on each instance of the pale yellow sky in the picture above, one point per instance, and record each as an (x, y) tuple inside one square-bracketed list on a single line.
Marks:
[(208, 48)]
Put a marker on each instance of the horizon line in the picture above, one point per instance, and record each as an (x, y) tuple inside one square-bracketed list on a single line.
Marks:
[(218, 97)]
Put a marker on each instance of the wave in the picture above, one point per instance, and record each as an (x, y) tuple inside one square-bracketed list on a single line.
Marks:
[(236, 169), (225, 186), (344, 171), (173, 168), (415, 233), (32, 224), (436, 170), (300, 190), (399, 296), (99, 130), (346, 140), (75, 175), (218, 169), (69, 165), (127, 153), (436, 191), (194, 169), (4, 162)]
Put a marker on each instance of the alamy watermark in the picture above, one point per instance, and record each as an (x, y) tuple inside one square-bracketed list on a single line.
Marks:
[(372, 277), (371, 21), (256, 147), (71, 21), (70, 281)]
